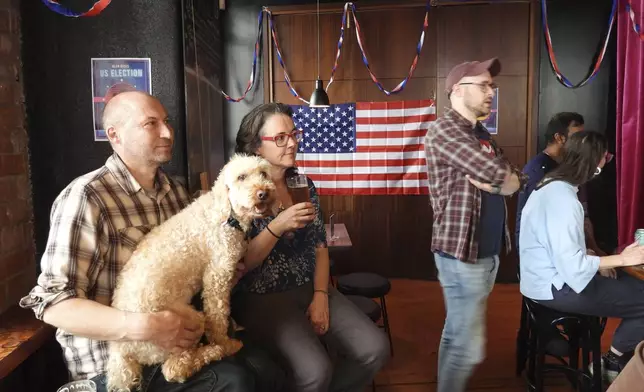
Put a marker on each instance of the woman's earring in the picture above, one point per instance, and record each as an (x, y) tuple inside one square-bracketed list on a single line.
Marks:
[(598, 171)]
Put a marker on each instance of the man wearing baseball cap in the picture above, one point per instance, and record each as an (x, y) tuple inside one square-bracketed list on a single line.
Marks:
[(468, 179)]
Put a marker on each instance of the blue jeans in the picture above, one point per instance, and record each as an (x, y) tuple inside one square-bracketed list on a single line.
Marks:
[(465, 290)]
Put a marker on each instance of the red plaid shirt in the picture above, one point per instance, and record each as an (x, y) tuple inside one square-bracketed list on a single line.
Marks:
[(453, 151)]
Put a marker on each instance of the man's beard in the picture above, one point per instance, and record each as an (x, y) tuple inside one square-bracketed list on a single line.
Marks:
[(479, 111)]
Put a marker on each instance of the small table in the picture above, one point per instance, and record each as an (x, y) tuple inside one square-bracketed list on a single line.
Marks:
[(343, 241), (637, 272)]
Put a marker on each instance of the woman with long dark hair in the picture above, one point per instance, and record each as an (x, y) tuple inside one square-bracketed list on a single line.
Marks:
[(556, 268), (285, 301)]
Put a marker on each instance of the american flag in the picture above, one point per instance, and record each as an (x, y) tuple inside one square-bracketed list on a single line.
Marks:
[(365, 148)]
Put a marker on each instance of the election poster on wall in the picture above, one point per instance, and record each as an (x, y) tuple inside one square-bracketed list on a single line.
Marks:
[(111, 76)]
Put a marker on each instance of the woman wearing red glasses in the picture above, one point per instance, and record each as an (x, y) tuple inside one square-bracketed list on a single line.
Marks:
[(285, 302), (557, 270)]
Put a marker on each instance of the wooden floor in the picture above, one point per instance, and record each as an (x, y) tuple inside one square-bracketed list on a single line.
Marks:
[(417, 312)]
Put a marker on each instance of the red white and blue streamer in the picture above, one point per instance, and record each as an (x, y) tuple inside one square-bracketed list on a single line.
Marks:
[(345, 15), (636, 26), (350, 7), (96, 9), (280, 57), (253, 71), (551, 54)]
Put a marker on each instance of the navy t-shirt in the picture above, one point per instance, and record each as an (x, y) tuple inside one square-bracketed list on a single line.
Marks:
[(536, 169), (492, 220)]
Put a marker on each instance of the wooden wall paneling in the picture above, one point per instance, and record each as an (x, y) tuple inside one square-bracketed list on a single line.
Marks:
[(484, 31), (513, 101), (297, 35), (392, 234), (390, 40)]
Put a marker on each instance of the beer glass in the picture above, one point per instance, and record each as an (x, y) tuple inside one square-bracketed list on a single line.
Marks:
[(298, 188), (639, 236), (78, 386)]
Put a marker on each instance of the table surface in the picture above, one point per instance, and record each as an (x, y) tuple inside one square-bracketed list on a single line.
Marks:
[(637, 272), (343, 241)]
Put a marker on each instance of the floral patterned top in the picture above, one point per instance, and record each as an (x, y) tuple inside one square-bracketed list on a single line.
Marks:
[(291, 262)]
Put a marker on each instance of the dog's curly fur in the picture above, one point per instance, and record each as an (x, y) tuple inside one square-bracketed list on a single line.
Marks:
[(197, 249)]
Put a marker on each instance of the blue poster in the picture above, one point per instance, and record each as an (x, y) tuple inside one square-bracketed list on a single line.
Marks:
[(491, 122), (111, 76)]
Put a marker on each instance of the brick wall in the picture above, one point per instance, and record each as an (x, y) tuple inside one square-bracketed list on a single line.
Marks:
[(17, 265)]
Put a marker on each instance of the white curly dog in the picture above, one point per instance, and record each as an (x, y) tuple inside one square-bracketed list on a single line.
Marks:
[(197, 249)]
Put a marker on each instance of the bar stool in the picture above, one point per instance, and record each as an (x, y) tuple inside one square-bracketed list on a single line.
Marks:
[(370, 285), (581, 333), (367, 306)]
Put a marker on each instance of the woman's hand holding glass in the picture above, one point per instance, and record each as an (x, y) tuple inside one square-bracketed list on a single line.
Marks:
[(293, 218)]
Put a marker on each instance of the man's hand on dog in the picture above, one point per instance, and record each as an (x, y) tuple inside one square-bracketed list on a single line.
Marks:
[(318, 313), (174, 330), (293, 218)]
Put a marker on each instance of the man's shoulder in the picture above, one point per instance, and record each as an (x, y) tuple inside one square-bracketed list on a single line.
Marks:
[(539, 163), (86, 184), (444, 128)]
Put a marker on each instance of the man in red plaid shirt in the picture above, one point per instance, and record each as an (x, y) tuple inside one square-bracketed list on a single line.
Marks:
[(468, 179)]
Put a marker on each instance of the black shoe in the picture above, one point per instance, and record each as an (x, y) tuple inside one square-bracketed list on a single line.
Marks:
[(612, 365)]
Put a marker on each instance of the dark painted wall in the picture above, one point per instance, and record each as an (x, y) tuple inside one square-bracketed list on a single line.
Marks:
[(577, 28), (56, 60)]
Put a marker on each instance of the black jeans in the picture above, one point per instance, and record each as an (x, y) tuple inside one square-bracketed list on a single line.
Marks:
[(605, 297), (250, 370)]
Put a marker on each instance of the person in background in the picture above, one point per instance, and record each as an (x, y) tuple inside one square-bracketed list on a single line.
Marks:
[(556, 269), (284, 301), (559, 128), (96, 222), (468, 179)]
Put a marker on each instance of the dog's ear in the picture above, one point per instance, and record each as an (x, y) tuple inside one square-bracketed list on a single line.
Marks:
[(222, 202)]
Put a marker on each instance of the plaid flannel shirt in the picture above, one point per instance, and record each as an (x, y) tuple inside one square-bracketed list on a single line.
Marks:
[(453, 151), (96, 222)]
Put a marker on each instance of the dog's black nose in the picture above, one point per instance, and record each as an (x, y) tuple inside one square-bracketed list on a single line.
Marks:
[(262, 195)]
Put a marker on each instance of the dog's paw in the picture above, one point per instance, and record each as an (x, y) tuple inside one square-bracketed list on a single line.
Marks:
[(231, 346), (178, 368), (211, 353)]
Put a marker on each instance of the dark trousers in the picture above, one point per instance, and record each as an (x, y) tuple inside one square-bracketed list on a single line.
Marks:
[(278, 323), (220, 376), (605, 297), (250, 370)]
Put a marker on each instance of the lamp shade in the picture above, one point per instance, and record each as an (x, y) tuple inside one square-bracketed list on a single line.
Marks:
[(319, 98)]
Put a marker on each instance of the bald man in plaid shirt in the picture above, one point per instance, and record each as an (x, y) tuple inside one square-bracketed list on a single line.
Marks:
[(468, 178), (96, 223)]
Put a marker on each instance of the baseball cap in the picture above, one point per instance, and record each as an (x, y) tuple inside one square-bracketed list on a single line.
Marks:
[(471, 68)]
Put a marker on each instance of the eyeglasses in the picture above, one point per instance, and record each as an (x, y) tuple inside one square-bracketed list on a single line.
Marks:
[(482, 86), (281, 139)]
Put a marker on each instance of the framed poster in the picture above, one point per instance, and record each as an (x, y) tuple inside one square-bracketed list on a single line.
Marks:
[(491, 122), (111, 76)]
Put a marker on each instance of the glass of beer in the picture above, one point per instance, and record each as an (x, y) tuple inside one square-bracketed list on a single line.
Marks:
[(78, 386), (298, 188)]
